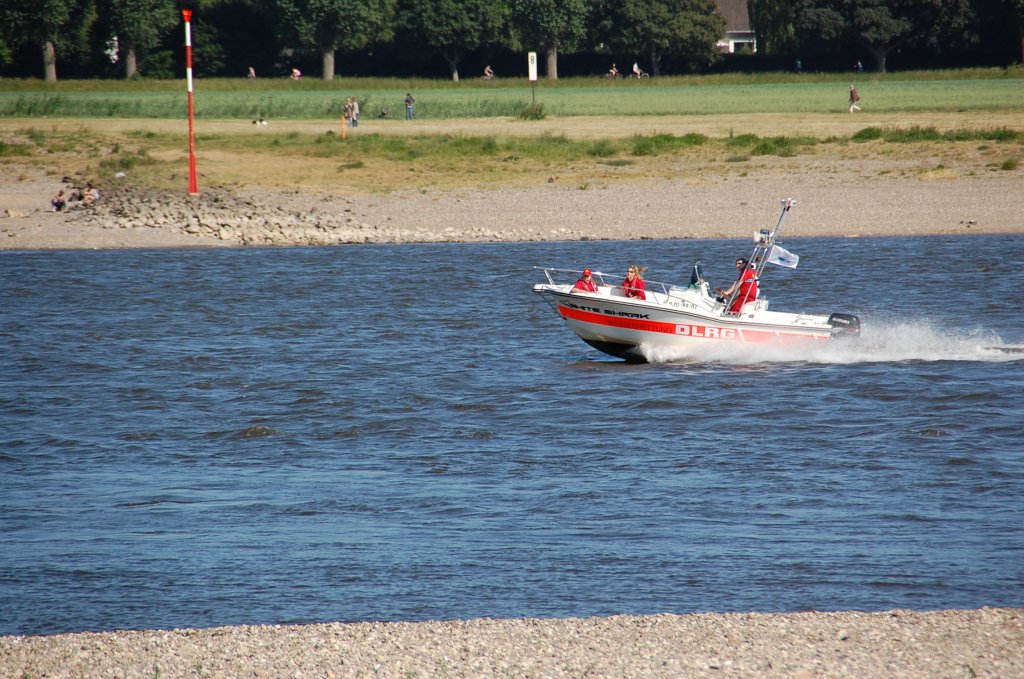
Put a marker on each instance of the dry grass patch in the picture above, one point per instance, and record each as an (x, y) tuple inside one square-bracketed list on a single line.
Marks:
[(384, 156), (937, 174)]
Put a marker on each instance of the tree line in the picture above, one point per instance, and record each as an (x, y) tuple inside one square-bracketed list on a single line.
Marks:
[(144, 38)]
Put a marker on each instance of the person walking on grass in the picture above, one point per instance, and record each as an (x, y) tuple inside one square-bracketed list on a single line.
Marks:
[(854, 98), (409, 101)]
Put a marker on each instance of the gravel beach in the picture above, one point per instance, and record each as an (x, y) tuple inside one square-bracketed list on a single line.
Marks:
[(834, 198), (955, 643)]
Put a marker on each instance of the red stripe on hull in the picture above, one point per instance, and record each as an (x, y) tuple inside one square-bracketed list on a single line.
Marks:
[(694, 330)]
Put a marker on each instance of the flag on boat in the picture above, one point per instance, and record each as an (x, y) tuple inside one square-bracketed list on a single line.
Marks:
[(780, 256)]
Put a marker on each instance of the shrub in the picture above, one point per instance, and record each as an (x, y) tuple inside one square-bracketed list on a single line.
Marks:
[(644, 146), (14, 149), (601, 149), (912, 134), (868, 134), (775, 146), (661, 143), (1001, 134), (741, 140), (532, 112)]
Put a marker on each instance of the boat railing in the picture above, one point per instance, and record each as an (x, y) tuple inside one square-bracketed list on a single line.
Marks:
[(610, 280)]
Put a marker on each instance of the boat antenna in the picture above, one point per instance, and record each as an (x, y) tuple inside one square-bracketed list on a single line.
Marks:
[(766, 241), (787, 205)]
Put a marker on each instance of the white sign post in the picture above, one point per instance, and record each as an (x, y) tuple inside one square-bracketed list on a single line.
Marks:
[(532, 61)]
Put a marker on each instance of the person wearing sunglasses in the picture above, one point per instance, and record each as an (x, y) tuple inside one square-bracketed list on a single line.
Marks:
[(745, 286), (634, 285)]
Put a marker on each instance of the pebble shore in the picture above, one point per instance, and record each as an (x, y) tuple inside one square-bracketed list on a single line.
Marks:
[(831, 201), (987, 642)]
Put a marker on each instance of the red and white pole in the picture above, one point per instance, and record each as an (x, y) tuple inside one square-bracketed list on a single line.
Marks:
[(193, 185)]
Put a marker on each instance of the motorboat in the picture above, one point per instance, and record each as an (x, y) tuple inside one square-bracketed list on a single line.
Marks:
[(683, 321)]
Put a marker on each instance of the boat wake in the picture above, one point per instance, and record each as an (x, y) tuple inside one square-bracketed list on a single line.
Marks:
[(878, 343)]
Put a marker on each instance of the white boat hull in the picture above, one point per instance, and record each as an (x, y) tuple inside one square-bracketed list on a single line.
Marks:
[(687, 320), (683, 321)]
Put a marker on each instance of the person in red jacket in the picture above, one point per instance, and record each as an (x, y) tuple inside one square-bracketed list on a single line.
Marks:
[(634, 285), (586, 283), (745, 286)]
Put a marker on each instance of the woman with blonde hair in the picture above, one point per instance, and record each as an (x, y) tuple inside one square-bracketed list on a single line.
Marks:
[(634, 285)]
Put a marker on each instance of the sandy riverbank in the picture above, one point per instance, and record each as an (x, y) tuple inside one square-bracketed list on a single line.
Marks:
[(955, 643), (834, 198)]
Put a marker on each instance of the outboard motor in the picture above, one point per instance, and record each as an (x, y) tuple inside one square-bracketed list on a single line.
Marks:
[(844, 325)]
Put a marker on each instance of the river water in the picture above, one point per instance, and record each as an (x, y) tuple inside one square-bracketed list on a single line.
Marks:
[(406, 432)]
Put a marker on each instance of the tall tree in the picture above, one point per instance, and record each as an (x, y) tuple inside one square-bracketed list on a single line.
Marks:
[(557, 25), (246, 32), (880, 26), (454, 27), (52, 26), (137, 26), (684, 29), (1017, 7), (772, 23), (332, 25), (1000, 27)]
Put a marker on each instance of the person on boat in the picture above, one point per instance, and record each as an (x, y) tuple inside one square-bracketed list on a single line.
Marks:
[(634, 285), (586, 283), (745, 286)]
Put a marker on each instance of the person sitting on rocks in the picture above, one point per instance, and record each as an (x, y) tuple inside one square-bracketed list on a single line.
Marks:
[(91, 195), (59, 202)]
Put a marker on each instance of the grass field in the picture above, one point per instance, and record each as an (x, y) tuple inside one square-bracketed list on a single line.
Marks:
[(472, 134), (219, 99)]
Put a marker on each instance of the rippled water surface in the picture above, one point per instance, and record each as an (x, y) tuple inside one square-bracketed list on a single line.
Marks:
[(199, 438)]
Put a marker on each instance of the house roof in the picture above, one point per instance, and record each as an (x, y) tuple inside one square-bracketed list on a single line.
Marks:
[(735, 14)]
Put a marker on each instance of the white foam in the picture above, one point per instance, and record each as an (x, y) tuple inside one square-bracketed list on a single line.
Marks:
[(878, 342)]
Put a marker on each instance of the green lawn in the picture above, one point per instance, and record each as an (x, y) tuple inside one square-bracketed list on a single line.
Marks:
[(978, 90)]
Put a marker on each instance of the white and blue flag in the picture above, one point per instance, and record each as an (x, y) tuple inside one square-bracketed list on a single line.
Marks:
[(780, 256)]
